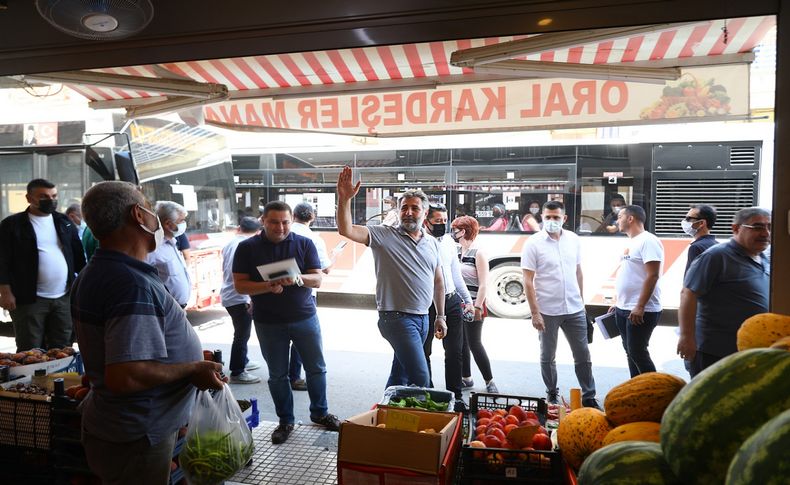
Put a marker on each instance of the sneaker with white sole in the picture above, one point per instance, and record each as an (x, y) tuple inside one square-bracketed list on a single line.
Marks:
[(252, 365), (491, 387), (244, 378), (467, 383)]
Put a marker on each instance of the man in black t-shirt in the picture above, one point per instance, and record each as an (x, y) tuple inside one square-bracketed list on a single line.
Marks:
[(698, 223)]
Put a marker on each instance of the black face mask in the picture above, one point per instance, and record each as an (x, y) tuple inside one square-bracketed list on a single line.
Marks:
[(47, 206), (438, 230)]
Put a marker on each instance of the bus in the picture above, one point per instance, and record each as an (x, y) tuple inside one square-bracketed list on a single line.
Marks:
[(729, 169)]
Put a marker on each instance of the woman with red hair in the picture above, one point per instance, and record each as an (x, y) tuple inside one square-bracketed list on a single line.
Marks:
[(474, 269)]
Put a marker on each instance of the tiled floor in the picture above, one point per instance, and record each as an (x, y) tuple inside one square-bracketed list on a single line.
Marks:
[(308, 458)]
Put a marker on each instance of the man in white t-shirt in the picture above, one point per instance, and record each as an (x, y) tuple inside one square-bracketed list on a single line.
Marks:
[(638, 304), (551, 263), (40, 254)]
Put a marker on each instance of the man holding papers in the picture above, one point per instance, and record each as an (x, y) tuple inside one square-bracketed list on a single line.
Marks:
[(284, 311), (551, 262)]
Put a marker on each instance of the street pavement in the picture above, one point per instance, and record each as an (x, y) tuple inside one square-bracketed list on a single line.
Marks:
[(358, 359)]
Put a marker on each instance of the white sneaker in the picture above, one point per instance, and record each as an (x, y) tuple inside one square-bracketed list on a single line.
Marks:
[(252, 365), (244, 378)]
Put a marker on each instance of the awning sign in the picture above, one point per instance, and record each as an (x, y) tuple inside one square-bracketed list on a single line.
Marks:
[(701, 94)]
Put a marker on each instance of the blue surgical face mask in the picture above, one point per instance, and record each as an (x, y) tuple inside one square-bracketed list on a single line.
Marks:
[(552, 226)]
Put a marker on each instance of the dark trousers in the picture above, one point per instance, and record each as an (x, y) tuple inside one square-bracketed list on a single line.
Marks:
[(636, 339), (473, 346), (701, 362), (242, 326), (453, 343), (44, 324)]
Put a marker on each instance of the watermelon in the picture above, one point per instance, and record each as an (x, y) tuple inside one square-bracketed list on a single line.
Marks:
[(718, 410), (765, 457), (626, 463)]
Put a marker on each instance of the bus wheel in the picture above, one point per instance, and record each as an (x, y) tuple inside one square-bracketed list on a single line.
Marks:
[(505, 297)]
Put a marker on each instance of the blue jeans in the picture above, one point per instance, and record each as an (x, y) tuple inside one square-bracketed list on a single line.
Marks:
[(275, 340), (406, 333), (636, 338), (242, 326), (295, 367)]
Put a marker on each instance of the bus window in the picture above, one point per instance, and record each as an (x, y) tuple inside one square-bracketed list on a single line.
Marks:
[(610, 177), (500, 197), (66, 170), (15, 172)]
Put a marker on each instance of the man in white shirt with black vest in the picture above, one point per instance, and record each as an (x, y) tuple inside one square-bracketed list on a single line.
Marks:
[(551, 263), (40, 254)]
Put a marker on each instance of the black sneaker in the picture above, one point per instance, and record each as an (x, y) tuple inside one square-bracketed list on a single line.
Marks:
[(281, 433), (551, 397), (591, 403), (330, 422), (460, 406)]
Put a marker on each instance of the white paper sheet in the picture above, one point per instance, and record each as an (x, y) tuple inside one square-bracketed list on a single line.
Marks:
[(286, 268)]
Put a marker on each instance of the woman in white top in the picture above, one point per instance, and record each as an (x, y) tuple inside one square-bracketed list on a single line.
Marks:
[(474, 269)]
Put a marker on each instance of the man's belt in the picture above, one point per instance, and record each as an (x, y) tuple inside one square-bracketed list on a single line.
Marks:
[(450, 295)]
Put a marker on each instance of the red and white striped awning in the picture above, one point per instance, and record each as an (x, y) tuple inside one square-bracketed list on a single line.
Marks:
[(263, 76)]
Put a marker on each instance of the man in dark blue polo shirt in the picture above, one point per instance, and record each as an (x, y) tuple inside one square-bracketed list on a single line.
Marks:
[(141, 355), (284, 311), (725, 285)]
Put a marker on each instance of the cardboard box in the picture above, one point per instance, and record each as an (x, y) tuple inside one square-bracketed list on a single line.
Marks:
[(363, 443)]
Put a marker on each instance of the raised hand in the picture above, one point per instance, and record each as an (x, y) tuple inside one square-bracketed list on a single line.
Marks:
[(346, 189)]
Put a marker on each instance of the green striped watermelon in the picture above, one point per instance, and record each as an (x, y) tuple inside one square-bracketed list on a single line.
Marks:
[(765, 457), (627, 463), (718, 410)]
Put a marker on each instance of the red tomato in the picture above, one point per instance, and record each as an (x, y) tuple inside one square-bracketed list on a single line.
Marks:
[(484, 413), (480, 436), (518, 412), (501, 412), (510, 419), (510, 427), (483, 421), (541, 429), (480, 429), (498, 433), (530, 422), (496, 425), (508, 445), (541, 442), (532, 415), (492, 441)]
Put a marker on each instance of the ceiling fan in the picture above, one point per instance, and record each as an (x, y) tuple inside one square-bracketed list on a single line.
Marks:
[(97, 19)]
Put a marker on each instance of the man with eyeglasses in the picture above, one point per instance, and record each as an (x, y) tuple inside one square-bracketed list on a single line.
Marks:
[(698, 223), (724, 286)]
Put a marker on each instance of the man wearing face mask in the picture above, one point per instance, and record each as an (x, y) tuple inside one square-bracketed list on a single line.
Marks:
[(166, 258), (724, 286), (40, 254), (74, 214), (408, 277), (551, 263), (456, 302), (609, 224), (141, 355), (698, 223)]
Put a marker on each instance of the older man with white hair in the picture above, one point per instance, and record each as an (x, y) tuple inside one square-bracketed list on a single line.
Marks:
[(167, 259)]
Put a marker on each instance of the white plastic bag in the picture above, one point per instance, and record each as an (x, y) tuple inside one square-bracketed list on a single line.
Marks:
[(219, 442)]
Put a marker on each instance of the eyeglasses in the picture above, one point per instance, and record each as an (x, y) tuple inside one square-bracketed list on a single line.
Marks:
[(758, 227), (690, 218)]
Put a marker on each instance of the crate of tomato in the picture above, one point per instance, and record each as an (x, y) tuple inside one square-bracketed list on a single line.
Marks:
[(508, 442)]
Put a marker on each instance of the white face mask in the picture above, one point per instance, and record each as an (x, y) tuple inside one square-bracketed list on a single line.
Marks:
[(552, 226), (534, 210), (181, 228), (688, 227), (159, 234)]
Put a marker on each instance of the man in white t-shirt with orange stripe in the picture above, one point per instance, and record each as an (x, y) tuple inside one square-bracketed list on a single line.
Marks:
[(638, 304)]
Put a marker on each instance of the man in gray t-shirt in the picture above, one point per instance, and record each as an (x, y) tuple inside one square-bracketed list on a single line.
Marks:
[(408, 278)]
